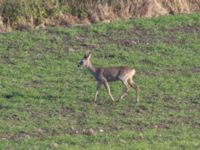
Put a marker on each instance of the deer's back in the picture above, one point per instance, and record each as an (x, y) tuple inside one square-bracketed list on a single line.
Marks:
[(115, 73)]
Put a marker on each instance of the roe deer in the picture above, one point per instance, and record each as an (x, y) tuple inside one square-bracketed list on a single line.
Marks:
[(105, 75)]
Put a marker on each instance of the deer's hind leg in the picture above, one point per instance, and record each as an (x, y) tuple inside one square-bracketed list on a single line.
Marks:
[(137, 89), (125, 90)]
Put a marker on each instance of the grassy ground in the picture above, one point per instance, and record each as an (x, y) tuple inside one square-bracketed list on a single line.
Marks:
[(46, 102)]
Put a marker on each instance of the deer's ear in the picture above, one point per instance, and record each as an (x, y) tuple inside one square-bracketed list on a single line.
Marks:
[(85, 56), (89, 55)]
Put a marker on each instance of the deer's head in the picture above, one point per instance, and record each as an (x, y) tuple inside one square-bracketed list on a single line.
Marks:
[(85, 61)]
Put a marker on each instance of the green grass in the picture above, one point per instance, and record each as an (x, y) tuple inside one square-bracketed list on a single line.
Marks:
[(46, 101)]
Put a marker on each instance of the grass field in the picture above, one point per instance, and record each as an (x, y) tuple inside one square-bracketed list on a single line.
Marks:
[(46, 101)]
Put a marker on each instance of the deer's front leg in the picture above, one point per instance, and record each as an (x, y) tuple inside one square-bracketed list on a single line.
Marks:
[(108, 89), (97, 90)]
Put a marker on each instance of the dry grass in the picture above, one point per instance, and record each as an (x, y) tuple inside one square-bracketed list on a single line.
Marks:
[(33, 13)]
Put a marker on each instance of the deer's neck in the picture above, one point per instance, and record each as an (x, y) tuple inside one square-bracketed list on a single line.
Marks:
[(92, 69)]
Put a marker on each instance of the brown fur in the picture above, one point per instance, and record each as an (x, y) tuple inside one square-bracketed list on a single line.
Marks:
[(104, 75)]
